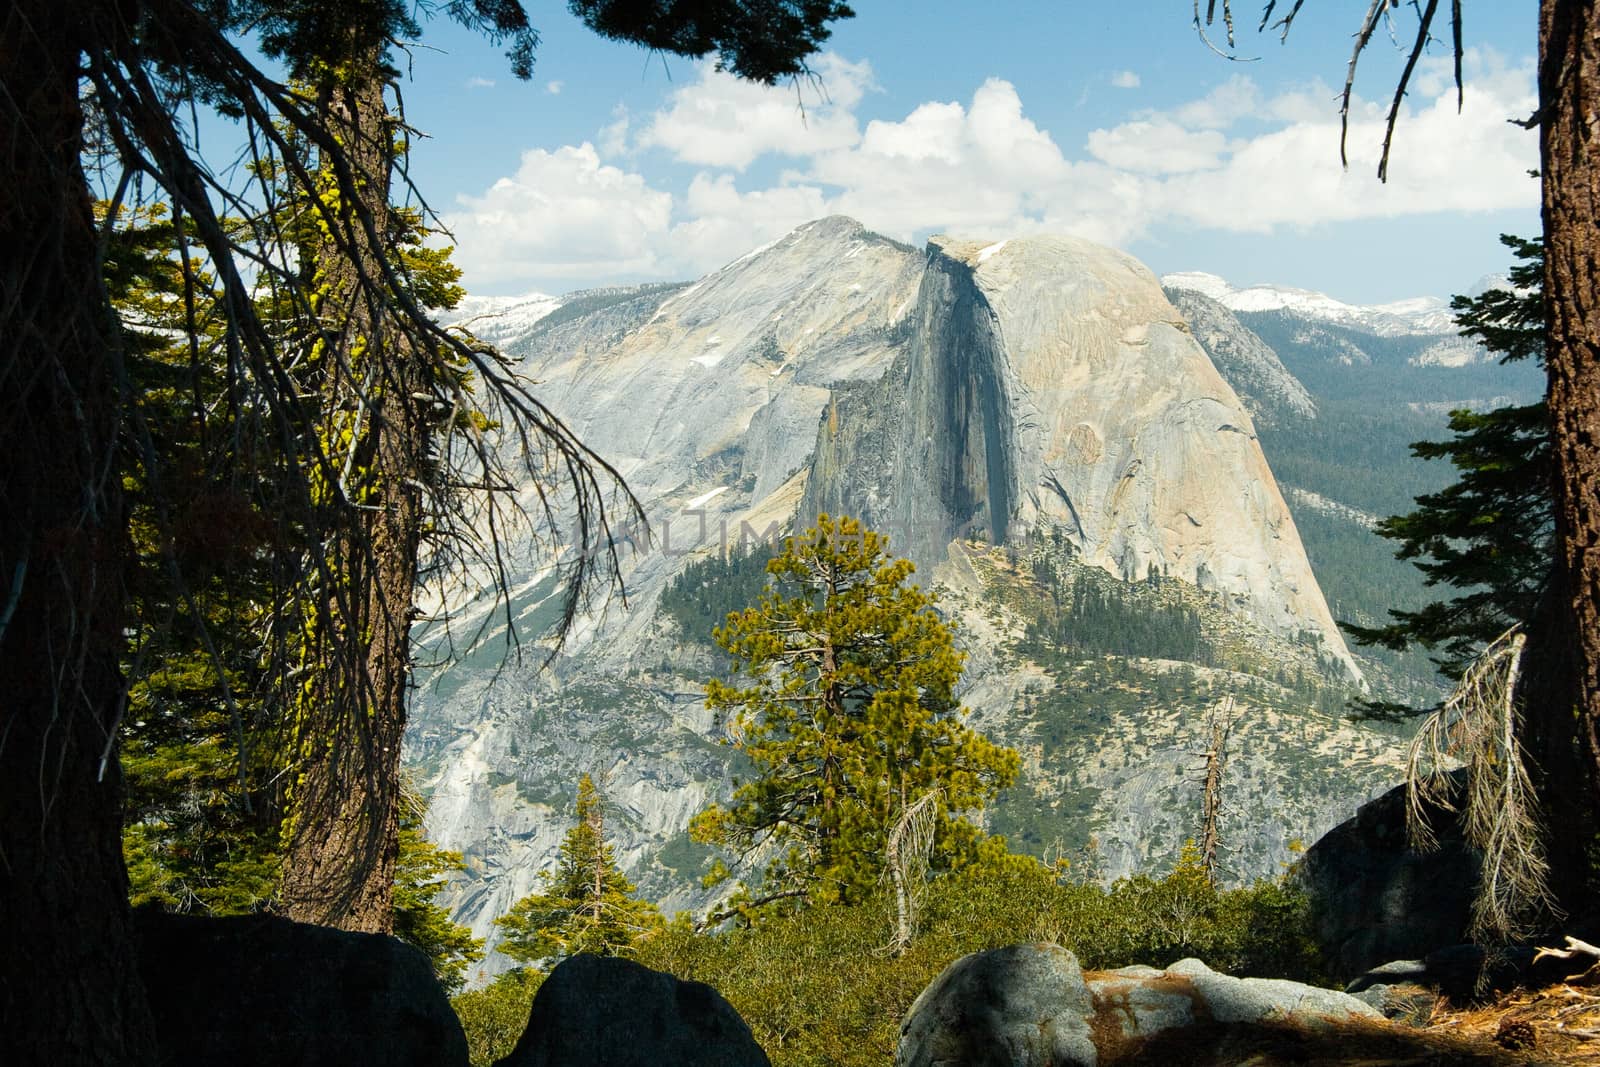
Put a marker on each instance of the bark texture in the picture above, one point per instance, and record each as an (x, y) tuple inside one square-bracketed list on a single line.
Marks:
[(339, 870), (69, 987), (1569, 100)]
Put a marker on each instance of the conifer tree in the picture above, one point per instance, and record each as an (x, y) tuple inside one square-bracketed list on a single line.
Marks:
[(420, 871), (200, 824), (846, 709), (587, 904), (1489, 536)]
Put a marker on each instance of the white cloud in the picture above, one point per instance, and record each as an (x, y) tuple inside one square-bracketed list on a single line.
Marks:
[(563, 215), (1237, 159), (554, 87), (1442, 161), (1158, 146), (614, 134), (724, 121), (1125, 79), (476, 82), (947, 167), (1223, 106), (721, 223)]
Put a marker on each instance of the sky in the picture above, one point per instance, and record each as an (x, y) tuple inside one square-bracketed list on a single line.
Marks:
[(1112, 121)]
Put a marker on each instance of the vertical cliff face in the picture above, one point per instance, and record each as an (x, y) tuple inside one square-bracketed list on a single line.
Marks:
[(1047, 381)]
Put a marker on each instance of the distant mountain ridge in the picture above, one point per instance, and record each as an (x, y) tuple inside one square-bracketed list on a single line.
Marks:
[(1417, 315), (503, 320)]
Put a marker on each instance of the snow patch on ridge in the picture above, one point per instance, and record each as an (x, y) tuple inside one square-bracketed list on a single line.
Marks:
[(1417, 315)]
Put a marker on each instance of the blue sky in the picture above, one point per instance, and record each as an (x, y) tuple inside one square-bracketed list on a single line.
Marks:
[(1110, 121)]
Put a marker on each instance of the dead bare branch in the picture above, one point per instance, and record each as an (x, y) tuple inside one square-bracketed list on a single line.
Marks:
[(1478, 727)]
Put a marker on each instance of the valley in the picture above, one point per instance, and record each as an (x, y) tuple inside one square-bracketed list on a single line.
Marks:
[(1078, 467)]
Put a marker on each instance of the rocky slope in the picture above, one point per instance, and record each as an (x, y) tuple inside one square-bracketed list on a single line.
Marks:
[(1273, 396), (1037, 399)]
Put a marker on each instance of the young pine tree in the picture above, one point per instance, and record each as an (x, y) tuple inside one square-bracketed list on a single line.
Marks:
[(420, 871), (847, 712), (587, 904)]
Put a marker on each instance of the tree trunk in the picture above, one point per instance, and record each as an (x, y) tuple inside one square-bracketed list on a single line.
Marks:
[(339, 869), (69, 985), (1569, 101)]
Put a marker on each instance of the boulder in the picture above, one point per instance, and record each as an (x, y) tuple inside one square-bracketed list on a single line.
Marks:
[(600, 1011), (1135, 1005), (1031, 1006), (261, 991), (1022, 1006), (1376, 899)]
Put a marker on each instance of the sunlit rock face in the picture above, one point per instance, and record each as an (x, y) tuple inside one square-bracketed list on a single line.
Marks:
[(1048, 381), (966, 390), (1273, 396)]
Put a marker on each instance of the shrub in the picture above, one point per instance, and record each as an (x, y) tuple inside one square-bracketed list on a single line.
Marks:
[(495, 1016), (819, 987)]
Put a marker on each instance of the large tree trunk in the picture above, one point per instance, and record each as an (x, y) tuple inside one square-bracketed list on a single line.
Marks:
[(339, 870), (1569, 101), (69, 985)]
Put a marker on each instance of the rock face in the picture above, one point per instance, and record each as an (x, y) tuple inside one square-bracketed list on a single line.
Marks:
[(606, 1012), (1023, 1005), (1031, 1006), (259, 991), (1048, 382), (1273, 396), (1376, 899), (1031, 392)]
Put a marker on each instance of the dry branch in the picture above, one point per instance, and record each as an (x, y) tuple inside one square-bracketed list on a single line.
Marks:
[(1479, 727)]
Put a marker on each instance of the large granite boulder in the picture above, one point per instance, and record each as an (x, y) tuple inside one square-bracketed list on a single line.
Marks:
[(260, 991), (1031, 1006), (1009, 1007), (598, 1011), (1376, 899)]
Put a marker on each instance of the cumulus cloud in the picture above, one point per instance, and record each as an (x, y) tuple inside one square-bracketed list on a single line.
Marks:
[(948, 167), (1158, 146), (554, 87), (720, 223), (562, 215), (476, 82), (724, 121), (1236, 159), (1125, 79), (1442, 161)]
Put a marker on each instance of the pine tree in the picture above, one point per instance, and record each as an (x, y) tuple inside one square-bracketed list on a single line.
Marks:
[(197, 737), (587, 904), (847, 712), (420, 871), (1490, 535)]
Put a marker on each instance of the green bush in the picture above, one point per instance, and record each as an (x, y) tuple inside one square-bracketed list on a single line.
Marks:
[(818, 987), (495, 1016)]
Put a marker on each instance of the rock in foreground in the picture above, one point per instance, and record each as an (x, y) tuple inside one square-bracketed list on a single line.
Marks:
[(260, 991), (598, 1011), (1377, 899), (1026, 1004), (1032, 1006)]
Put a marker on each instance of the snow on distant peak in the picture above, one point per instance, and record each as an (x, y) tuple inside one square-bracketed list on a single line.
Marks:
[(501, 319), (1419, 315)]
